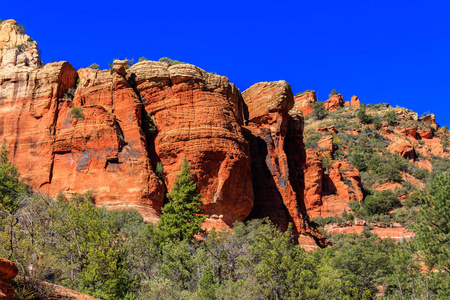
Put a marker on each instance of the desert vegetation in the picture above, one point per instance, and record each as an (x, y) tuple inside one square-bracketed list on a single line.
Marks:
[(115, 255)]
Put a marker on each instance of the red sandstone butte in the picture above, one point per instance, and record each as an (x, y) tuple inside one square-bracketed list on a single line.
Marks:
[(334, 102), (8, 270), (198, 115), (275, 135), (304, 102)]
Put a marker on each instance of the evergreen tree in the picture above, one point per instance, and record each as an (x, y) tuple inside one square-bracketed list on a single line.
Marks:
[(433, 233), (180, 219), (11, 187)]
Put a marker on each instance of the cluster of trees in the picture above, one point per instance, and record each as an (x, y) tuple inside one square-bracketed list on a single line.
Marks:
[(115, 255)]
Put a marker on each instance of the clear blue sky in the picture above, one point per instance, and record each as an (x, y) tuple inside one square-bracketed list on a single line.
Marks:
[(383, 51)]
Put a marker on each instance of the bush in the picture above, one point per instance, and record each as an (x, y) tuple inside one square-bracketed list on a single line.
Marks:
[(381, 202), (171, 62), (333, 92), (94, 66), (391, 118), (363, 117), (77, 112), (319, 112), (21, 29)]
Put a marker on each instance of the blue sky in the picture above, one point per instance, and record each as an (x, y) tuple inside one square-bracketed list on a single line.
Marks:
[(383, 51)]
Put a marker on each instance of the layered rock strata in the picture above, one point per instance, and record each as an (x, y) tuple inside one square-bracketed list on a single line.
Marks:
[(275, 135), (198, 115)]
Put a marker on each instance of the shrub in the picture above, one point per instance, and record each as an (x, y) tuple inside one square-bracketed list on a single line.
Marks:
[(142, 59), (363, 116), (381, 202), (391, 118), (77, 112), (171, 62), (319, 112), (333, 92), (159, 170), (94, 66), (21, 29)]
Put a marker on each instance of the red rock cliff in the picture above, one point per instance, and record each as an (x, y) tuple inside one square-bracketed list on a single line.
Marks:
[(274, 133)]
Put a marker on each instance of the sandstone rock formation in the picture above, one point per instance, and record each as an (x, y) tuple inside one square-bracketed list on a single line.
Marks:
[(274, 133), (354, 101), (334, 102), (17, 48), (327, 194), (8, 270), (198, 115), (304, 102), (403, 148)]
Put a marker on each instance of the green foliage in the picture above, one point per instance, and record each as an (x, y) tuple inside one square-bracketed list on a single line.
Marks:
[(77, 112), (21, 29), (142, 59), (363, 117), (433, 232), (319, 112), (381, 202), (159, 170), (333, 92), (171, 62), (11, 187), (150, 124), (180, 218), (94, 66), (391, 118)]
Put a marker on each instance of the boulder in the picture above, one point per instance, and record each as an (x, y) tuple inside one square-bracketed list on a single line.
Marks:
[(403, 148)]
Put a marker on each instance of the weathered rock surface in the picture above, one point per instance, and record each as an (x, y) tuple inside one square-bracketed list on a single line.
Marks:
[(274, 133), (8, 270), (17, 48), (327, 194), (403, 148), (198, 115), (334, 102), (354, 101), (304, 102)]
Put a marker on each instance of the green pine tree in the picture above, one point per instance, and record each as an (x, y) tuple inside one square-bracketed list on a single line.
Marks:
[(11, 187), (180, 219), (433, 233)]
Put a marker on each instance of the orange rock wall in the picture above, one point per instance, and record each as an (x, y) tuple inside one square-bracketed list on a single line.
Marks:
[(274, 132)]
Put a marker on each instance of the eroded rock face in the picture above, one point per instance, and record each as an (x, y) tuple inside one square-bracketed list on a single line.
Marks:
[(198, 115), (74, 138), (275, 137), (354, 101), (327, 193), (8, 270), (334, 102), (304, 102), (17, 48), (403, 148)]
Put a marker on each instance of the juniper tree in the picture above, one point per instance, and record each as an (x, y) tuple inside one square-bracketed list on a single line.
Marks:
[(180, 219)]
